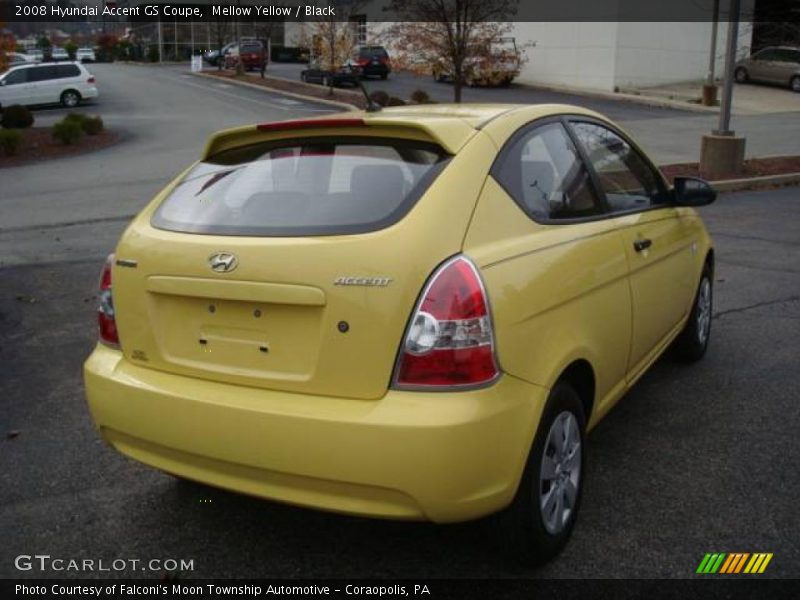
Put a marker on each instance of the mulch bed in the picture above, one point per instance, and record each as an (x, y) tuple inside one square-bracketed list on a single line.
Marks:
[(38, 144), (354, 97), (754, 167)]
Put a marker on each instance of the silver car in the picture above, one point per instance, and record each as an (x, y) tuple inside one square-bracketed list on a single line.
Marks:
[(778, 64)]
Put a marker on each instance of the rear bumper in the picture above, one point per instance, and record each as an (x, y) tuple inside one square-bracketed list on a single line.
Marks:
[(431, 456)]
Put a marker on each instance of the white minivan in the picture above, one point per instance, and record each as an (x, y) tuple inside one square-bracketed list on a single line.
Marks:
[(47, 83)]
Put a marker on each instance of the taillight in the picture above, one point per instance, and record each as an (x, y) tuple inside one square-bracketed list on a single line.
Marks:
[(107, 325), (90, 80), (449, 340)]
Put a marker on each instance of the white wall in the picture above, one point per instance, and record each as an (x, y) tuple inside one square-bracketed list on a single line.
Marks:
[(605, 56), (577, 55)]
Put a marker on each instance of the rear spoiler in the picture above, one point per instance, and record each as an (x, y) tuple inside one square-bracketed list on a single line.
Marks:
[(450, 133)]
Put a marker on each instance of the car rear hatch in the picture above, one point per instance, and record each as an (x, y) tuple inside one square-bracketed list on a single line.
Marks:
[(291, 255)]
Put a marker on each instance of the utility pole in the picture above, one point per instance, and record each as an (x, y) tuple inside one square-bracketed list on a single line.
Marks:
[(721, 152), (730, 65), (710, 87)]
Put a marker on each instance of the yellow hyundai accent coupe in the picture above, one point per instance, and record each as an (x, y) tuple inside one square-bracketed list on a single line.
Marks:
[(415, 313)]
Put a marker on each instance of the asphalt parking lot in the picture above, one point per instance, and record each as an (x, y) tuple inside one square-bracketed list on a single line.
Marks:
[(695, 459)]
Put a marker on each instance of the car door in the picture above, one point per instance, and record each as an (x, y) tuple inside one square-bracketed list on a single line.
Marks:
[(658, 240), (765, 66), (14, 87), (553, 263), (41, 84)]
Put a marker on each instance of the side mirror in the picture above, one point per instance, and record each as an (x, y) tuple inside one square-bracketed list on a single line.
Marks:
[(692, 191)]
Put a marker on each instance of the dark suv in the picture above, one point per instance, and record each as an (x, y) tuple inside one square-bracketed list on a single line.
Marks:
[(252, 53), (374, 61)]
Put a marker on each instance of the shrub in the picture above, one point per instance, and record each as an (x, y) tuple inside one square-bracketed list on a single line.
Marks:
[(89, 125), (379, 97), (16, 117), (10, 141), (75, 118), (420, 97), (67, 132), (93, 125), (152, 54), (395, 101)]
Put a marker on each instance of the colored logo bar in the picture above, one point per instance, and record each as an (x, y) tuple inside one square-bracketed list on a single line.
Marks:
[(734, 562)]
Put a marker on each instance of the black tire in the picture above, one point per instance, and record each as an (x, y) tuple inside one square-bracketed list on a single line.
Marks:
[(70, 98), (794, 83), (303, 77), (525, 532), (384, 76), (692, 343), (741, 76)]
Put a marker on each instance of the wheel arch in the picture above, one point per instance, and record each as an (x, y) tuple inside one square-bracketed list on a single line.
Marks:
[(580, 375)]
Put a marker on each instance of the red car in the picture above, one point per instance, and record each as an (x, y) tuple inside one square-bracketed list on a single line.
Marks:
[(252, 54)]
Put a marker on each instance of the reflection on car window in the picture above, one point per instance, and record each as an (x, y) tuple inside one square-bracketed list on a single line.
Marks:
[(626, 179), (544, 174)]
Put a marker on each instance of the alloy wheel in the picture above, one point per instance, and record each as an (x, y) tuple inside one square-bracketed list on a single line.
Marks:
[(704, 310), (560, 475)]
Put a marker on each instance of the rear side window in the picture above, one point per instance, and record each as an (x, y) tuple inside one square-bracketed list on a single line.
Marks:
[(542, 171), (67, 71), (316, 186)]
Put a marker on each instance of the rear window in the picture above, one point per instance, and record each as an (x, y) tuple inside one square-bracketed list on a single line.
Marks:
[(316, 186), (252, 47), (376, 52)]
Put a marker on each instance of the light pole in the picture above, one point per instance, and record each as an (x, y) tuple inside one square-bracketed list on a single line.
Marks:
[(730, 66)]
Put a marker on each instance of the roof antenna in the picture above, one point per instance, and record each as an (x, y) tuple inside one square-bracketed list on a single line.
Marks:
[(372, 106)]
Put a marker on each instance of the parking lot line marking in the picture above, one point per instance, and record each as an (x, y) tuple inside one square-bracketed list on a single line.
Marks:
[(260, 103), (224, 86)]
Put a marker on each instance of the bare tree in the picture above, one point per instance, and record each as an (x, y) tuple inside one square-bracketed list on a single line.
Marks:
[(333, 38), (220, 31), (452, 32)]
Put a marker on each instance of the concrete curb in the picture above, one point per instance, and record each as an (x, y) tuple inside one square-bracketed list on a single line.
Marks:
[(633, 98), (752, 183), (255, 86)]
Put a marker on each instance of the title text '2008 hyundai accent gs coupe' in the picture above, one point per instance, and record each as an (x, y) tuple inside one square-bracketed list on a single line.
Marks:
[(415, 313)]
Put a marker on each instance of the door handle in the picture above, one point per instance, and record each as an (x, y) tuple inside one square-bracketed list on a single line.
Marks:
[(642, 244)]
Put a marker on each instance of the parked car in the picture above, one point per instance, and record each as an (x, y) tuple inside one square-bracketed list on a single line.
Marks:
[(47, 83), (15, 58), (35, 55), (346, 75), (85, 55), (252, 54), (213, 57), (58, 54), (416, 313), (373, 61), (492, 64), (779, 65)]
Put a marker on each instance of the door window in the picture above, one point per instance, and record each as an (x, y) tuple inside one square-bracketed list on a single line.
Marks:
[(544, 174), (628, 181)]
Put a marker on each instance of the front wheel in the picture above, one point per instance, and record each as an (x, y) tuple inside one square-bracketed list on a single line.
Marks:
[(539, 521), (70, 98), (692, 343), (741, 75), (795, 84)]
